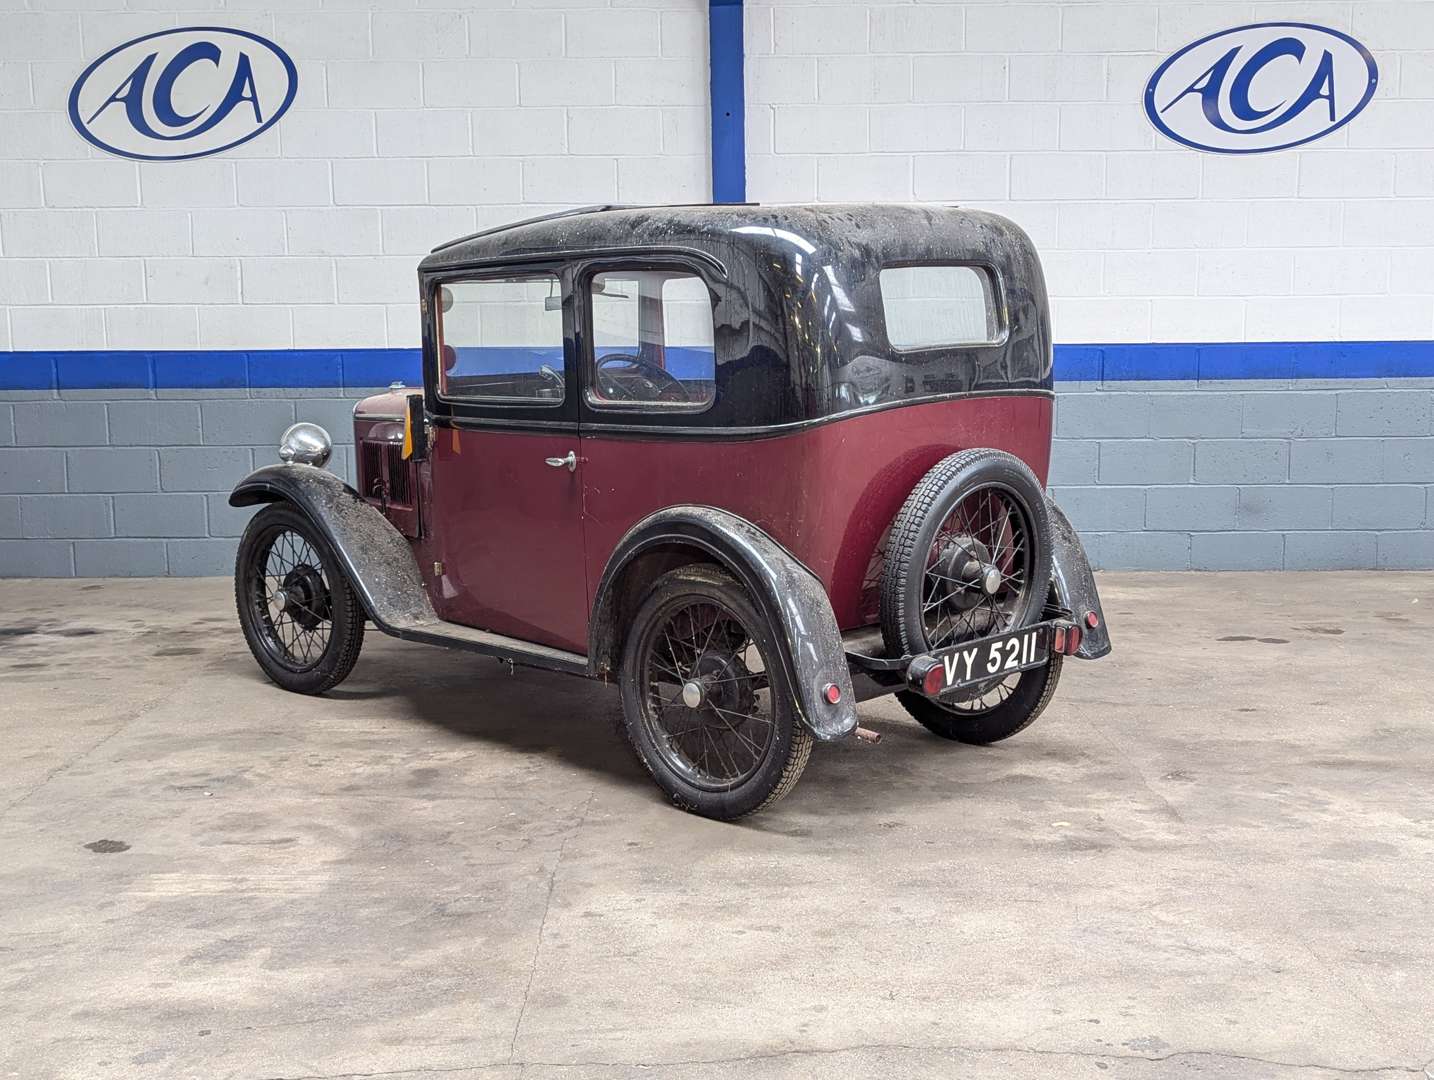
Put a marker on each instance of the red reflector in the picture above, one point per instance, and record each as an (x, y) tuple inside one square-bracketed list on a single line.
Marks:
[(1092, 619), (1073, 640), (1058, 643), (934, 680), (832, 692)]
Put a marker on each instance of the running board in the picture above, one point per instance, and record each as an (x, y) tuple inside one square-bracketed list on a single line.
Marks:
[(514, 650)]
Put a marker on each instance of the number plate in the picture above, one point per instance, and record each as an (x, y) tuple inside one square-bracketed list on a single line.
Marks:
[(974, 662)]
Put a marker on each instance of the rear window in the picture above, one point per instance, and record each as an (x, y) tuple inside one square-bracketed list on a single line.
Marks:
[(934, 307)]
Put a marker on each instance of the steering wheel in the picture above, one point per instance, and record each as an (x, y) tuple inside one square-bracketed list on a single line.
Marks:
[(641, 381), (554, 387)]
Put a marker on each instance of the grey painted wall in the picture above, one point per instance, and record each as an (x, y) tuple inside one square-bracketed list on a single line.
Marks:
[(1155, 476), (139, 487), (1249, 476)]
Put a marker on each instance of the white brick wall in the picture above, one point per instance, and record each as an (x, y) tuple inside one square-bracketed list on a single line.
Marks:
[(410, 127), (1034, 110), (415, 125)]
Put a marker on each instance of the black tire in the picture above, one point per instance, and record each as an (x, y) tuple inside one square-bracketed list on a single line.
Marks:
[(978, 724), (309, 640), (778, 751), (1000, 708)]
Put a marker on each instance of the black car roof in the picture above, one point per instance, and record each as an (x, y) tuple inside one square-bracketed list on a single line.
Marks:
[(876, 228), (797, 305)]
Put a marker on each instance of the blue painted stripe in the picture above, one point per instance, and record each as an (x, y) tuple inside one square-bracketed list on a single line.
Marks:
[(1247, 360), (339, 369), (354, 369), (727, 101)]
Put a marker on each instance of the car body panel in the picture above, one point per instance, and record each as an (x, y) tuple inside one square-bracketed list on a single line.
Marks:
[(508, 530), (826, 492)]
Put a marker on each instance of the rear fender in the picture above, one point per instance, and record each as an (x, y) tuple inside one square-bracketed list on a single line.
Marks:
[(376, 558), (786, 593), (1073, 585)]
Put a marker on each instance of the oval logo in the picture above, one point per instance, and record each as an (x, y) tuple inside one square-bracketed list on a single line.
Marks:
[(183, 93), (1259, 88)]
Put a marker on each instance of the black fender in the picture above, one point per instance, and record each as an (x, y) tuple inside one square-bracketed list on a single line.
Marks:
[(376, 557), (789, 595), (1073, 585)]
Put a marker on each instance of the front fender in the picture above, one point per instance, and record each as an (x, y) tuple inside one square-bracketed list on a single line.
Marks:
[(376, 558), (784, 591), (1073, 584)]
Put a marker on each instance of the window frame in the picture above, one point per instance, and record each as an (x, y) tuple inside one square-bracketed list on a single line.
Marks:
[(998, 303), (433, 326), (587, 357)]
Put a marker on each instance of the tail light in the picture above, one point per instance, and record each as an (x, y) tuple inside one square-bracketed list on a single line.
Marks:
[(1066, 640)]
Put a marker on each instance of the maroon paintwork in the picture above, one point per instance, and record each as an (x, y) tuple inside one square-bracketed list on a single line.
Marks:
[(826, 493), (508, 529), (523, 545)]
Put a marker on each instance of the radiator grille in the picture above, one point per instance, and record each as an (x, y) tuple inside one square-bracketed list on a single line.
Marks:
[(370, 476), (384, 475), (400, 476)]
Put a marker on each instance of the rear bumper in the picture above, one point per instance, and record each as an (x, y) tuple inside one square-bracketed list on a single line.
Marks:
[(973, 664)]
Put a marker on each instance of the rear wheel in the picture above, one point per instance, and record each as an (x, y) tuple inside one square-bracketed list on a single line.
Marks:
[(969, 557), (300, 616), (705, 700)]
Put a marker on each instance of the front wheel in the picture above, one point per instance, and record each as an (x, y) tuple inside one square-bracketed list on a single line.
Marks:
[(300, 616), (705, 700)]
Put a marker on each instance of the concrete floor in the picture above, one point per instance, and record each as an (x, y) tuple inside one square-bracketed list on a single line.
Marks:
[(1212, 857)]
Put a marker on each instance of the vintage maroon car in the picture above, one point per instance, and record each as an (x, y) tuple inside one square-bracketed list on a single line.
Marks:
[(754, 464)]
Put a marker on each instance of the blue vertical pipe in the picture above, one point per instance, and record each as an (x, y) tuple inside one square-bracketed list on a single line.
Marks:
[(728, 102)]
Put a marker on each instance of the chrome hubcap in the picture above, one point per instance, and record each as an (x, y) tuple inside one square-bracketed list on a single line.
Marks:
[(991, 581), (692, 694)]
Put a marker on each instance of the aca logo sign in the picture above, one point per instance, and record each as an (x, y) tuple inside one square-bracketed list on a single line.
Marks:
[(183, 93), (1259, 88)]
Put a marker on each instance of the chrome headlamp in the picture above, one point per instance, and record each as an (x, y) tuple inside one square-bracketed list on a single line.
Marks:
[(305, 444)]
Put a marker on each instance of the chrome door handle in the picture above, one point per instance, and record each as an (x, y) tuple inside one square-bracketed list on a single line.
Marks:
[(570, 462)]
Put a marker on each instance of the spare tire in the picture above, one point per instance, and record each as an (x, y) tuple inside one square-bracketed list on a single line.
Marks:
[(969, 554)]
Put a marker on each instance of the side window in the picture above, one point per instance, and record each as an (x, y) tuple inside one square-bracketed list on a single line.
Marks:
[(501, 339), (652, 340), (931, 307)]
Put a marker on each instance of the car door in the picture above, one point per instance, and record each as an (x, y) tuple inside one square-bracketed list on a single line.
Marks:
[(648, 360), (506, 508)]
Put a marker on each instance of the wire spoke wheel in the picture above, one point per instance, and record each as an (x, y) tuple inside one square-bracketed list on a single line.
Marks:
[(977, 569), (299, 615), (969, 558), (706, 701), (707, 698), (292, 600)]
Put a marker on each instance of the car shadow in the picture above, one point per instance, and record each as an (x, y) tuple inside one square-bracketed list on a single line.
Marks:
[(569, 720), (578, 723)]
